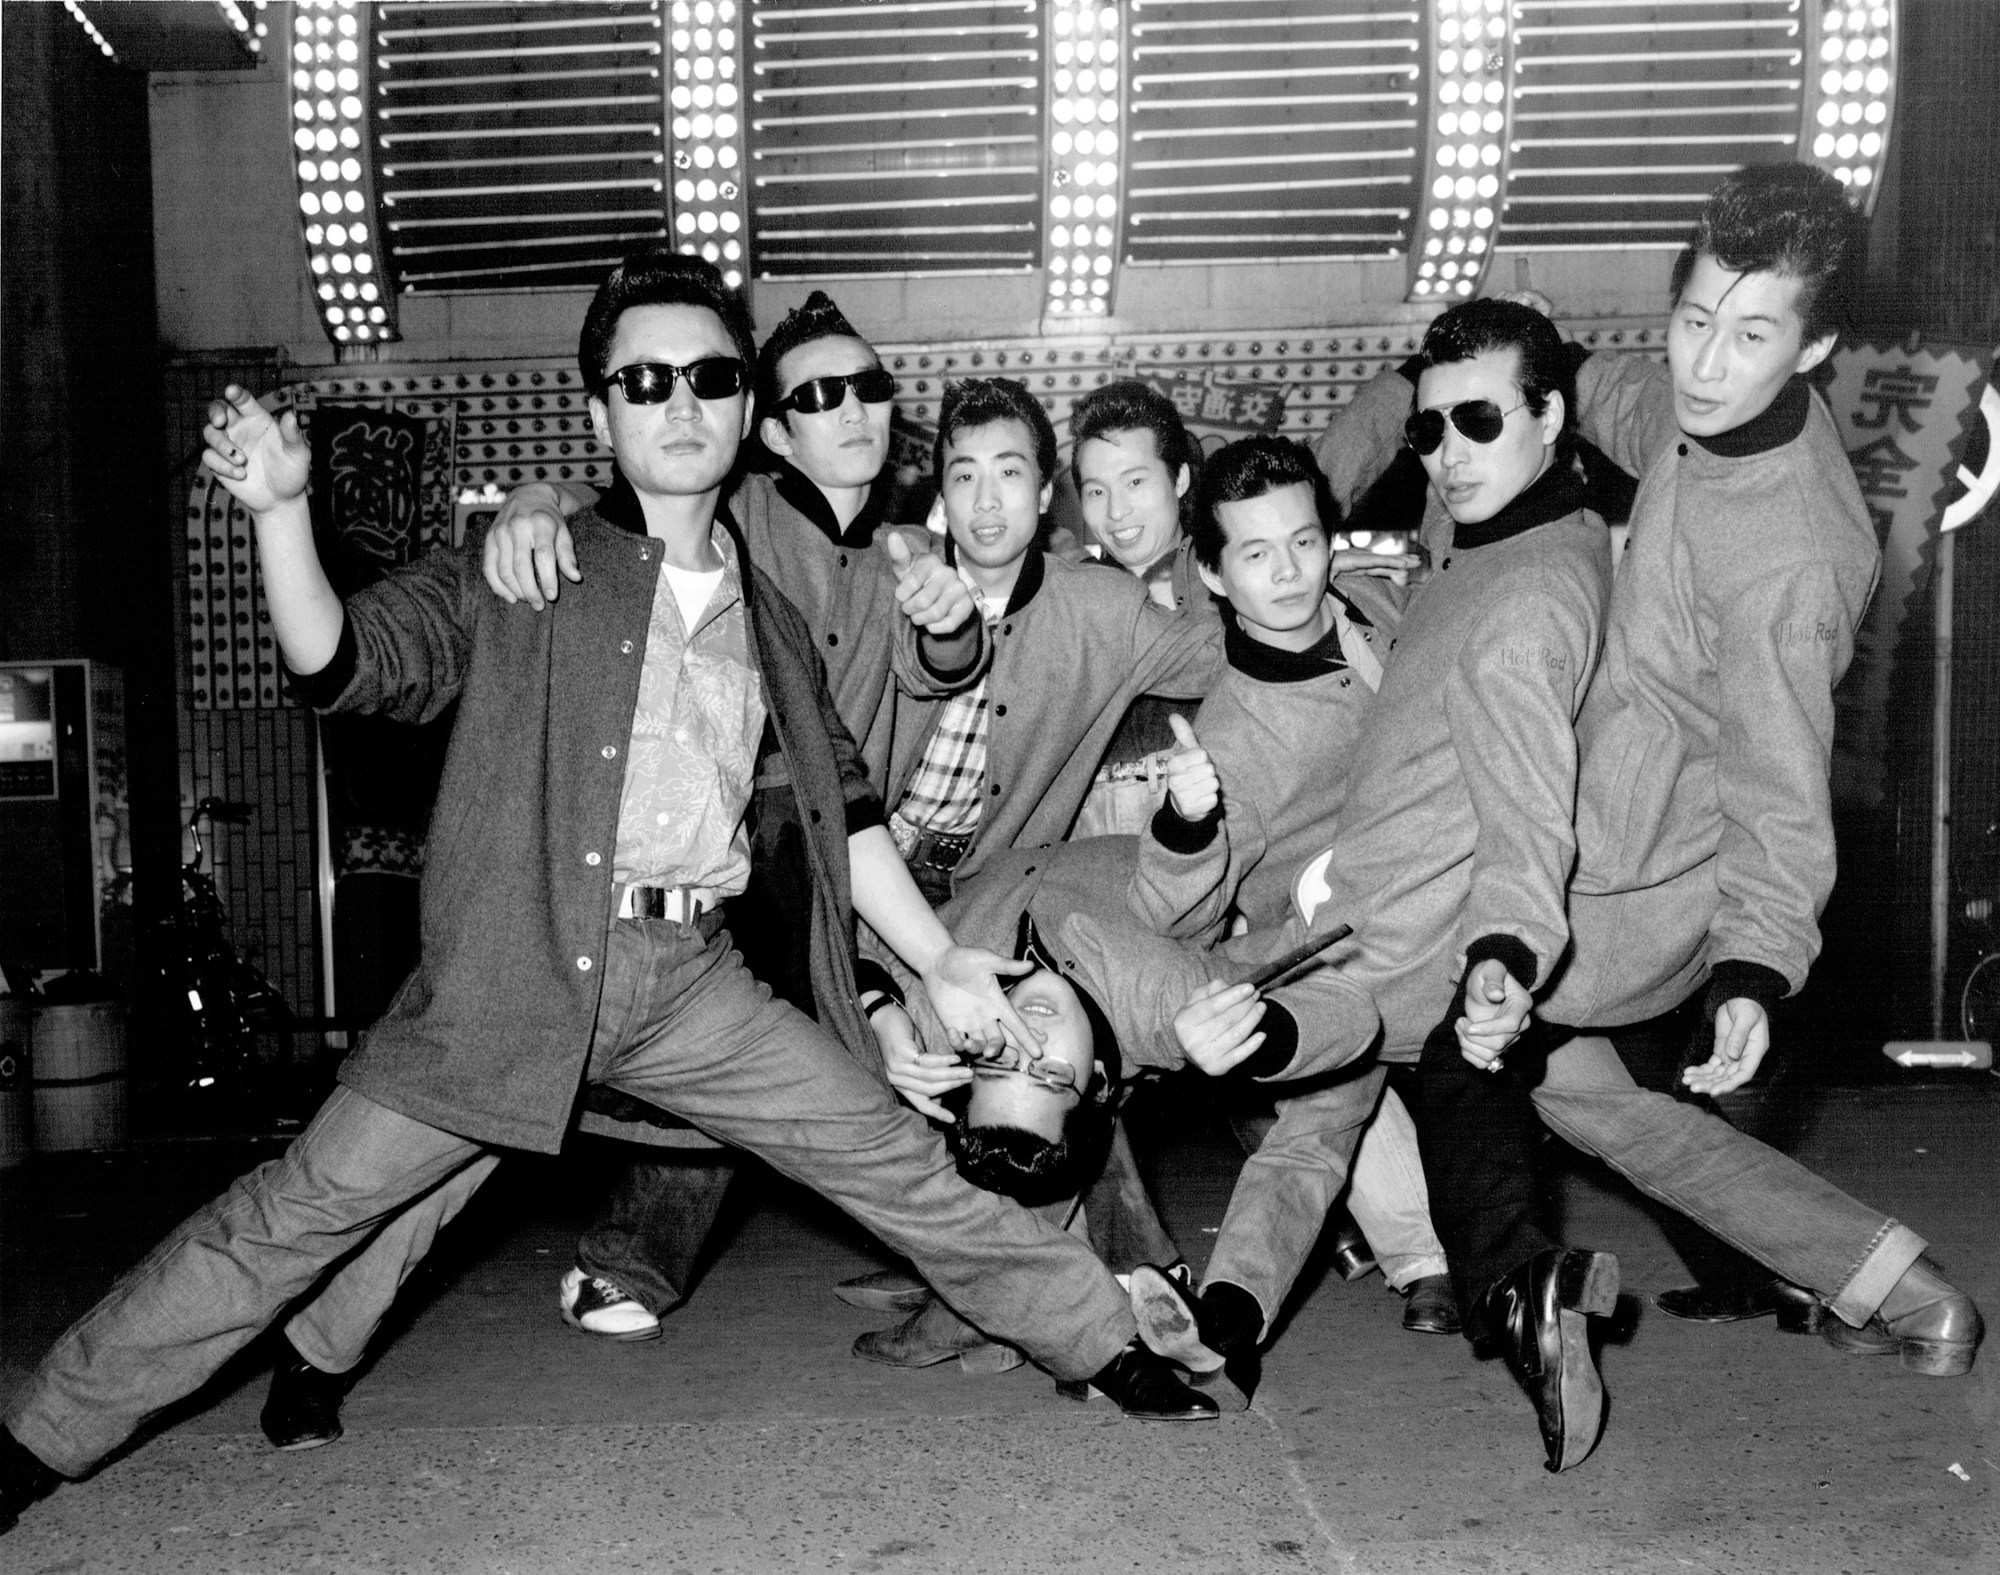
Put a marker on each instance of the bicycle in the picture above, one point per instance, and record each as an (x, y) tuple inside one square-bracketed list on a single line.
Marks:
[(216, 1000)]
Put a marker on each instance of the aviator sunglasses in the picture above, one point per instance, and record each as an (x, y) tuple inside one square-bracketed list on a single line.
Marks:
[(873, 384), (1478, 420), (652, 382)]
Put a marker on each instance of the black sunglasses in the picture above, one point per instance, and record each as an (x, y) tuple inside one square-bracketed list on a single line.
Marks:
[(652, 382), (873, 384), (1479, 420)]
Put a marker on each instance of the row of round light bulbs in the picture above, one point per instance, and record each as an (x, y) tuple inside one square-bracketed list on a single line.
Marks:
[(90, 30), (706, 218), (1082, 16), (326, 82), (1458, 228), (1855, 85), (253, 33), (1081, 257)]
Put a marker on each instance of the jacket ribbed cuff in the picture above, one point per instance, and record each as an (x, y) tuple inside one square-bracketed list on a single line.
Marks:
[(1281, 1044), (1512, 953), (1184, 836), (1733, 979)]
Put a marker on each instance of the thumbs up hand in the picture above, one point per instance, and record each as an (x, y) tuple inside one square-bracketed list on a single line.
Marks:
[(1192, 785), (930, 594)]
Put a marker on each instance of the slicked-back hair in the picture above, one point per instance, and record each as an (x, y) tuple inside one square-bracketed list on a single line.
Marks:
[(1793, 220), (1130, 405), (1249, 468), (817, 319), (1026, 1166), (981, 401), (657, 276), (1473, 328)]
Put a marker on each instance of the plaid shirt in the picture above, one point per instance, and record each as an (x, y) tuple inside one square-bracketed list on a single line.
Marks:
[(944, 796)]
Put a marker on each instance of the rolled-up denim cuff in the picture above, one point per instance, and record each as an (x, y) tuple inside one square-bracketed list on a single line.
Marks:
[(1888, 1258)]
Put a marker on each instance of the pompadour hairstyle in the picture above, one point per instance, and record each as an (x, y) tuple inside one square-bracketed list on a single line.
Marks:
[(818, 318), (1793, 220), (1249, 468), (1026, 1166), (1130, 405), (1472, 328), (981, 401), (657, 276)]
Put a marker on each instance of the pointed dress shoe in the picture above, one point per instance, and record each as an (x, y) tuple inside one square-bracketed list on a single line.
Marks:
[(1214, 1335), (302, 1410), (1932, 1327), (933, 1334), (1432, 1308), (1798, 1310), (24, 1478), (1146, 1388), (1539, 1318)]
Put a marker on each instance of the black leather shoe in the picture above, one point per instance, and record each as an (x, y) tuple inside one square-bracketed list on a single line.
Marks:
[(1538, 1315), (1798, 1310), (1352, 1256), (1148, 1390), (1432, 1309), (302, 1410), (23, 1479), (1214, 1336)]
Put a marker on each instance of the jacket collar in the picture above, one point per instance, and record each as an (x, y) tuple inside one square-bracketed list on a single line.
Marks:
[(803, 494), (1557, 492), (1269, 664), (1033, 571), (1782, 421), (618, 506)]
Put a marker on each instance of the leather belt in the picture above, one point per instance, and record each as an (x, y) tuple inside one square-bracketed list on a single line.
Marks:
[(940, 850), (677, 904), (1148, 768)]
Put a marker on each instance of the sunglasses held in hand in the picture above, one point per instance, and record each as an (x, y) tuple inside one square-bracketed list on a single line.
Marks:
[(652, 382), (815, 394), (1479, 420)]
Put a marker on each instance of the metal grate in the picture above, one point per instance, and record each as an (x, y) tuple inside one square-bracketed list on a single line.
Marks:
[(517, 146), (1271, 129), (895, 136), (1627, 112)]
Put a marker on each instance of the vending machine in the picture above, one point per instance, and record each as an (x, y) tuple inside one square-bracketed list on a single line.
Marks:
[(64, 823)]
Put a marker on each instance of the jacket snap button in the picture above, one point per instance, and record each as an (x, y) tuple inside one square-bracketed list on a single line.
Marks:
[(583, 965)]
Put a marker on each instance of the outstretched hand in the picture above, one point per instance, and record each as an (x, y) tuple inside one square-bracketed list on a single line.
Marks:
[(931, 596), (964, 988), (1217, 1029), (262, 460), (1742, 1037), (528, 545)]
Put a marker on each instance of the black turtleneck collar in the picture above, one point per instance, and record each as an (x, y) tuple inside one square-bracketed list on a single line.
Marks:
[(1271, 664), (1781, 421), (803, 494), (1557, 492), (1029, 581)]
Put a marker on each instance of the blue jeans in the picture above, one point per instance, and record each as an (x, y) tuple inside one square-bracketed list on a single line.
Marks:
[(681, 1024)]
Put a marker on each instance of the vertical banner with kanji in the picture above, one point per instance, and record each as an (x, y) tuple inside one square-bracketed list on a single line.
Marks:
[(1216, 410), (1904, 416)]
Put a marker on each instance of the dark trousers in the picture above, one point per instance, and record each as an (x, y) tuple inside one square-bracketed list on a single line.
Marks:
[(1479, 1135)]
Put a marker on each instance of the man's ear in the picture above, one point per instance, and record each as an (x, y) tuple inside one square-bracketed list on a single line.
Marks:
[(600, 420), (1551, 418), (1212, 580), (1047, 495), (1183, 481), (1815, 353), (749, 417), (777, 436)]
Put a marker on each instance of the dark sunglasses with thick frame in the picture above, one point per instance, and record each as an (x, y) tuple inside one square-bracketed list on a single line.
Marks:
[(875, 385), (652, 382), (1478, 420)]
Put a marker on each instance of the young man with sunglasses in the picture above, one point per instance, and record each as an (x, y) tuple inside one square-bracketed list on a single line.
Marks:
[(601, 764), (1704, 824), (810, 519)]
